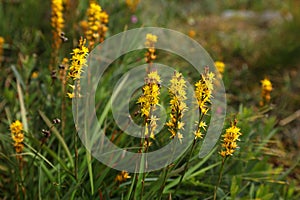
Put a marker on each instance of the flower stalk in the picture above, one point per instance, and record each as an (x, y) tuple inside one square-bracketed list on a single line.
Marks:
[(57, 24), (266, 89), (203, 95), (229, 145)]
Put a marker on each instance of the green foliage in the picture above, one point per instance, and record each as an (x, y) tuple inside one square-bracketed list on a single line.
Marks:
[(60, 167)]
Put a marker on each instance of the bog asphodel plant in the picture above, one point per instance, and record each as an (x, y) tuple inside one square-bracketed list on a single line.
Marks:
[(104, 17), (203, 94), (78, 62), (177, 92), (17, 135), (122, 177), (230, 139), (149, 100), (220, 66), (229, 145), (150, 44), (57, 22), (96, 26), (266, 89)]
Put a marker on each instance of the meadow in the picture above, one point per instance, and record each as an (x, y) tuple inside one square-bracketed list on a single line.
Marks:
[(250, 77)]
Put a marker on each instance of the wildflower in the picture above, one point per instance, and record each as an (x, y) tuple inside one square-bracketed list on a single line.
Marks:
[(192, 33), (150, 96), (34, 75), (203, 94), (16, 129), (178, 106), (96, 25), (266, 88), (147, 143), (150, 44), (93, 14), (220, 66), (200, 126), (57, 22), (103, 28), (203, 91), (149, 99), (122, 176), (132, 4), (230, 138), (1, 48), (78, 61), (134, 19)]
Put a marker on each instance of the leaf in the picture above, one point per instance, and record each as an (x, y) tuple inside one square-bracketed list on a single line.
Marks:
[(59, 137), (234, 187)]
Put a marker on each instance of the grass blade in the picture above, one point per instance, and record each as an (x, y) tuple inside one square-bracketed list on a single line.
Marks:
[(59, 137)]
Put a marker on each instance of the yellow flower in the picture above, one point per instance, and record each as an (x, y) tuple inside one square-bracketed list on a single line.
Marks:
[(203, 94), (78, 61), (95, 27), (177, 91), (148, 102), (192, 33), (267, 85), (34, 75), (203, 91), (266, 88), (150, 96), (103, 28), (1, 48), (198, 134), (16, 129), (230, 138), (19, 147), (122, 176), (220, 66), (1, 41), (57, 22), (150, 44), (132, 4)]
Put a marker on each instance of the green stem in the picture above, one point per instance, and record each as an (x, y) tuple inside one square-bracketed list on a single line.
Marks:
[(220, 178), (144, 174), (186, 165), (76, 157), (76, 137), (162, 187)]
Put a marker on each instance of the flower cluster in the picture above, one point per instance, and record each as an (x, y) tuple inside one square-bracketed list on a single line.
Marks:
[(122, 176), (177, 91), (203, 94), (148, 101), (16, 129), (150, 44), (220, 66), (230, 138), (78, 61), (266, 88), (1, 48), (201, 125), (97, 21), (151, 92), (203, 91), (132, 4), (57, 22), (103, 28)]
